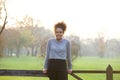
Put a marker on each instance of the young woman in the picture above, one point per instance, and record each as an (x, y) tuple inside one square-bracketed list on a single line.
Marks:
[(58, 57)]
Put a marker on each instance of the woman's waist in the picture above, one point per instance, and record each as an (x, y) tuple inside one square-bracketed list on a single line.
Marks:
[(57, 60)]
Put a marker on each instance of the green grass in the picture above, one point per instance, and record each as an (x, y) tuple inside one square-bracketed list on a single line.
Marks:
[(29, 63), (81, 63), (95, 63)]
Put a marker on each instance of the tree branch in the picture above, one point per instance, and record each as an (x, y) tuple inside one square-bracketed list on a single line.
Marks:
[(5, 20)]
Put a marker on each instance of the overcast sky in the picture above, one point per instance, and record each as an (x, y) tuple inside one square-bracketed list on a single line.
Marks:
[(83, 17)]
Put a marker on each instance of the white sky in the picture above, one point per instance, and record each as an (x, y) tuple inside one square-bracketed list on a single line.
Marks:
[(83, 17)]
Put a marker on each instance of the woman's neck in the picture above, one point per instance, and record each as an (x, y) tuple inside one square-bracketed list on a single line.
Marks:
[(58, 39)]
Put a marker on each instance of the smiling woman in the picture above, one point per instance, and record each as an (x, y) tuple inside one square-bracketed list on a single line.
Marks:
[(58, 55), (91, 16)]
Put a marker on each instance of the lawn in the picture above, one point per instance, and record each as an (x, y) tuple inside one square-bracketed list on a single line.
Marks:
[(81, 63)]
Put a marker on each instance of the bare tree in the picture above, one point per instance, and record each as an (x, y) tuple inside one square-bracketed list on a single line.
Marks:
[(2, 6), (75, 46), (2, 27), (101, 44)]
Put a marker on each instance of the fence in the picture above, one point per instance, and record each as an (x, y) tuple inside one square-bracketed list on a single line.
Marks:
[(38, 73)]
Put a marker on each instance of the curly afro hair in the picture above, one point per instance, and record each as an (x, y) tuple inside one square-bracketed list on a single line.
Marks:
[(61, 25)]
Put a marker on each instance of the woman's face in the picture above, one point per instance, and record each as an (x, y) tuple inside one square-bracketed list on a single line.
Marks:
[(58, 33)]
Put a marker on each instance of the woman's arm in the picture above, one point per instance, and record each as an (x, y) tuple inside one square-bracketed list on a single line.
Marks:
[(46, 57), (69, 57)]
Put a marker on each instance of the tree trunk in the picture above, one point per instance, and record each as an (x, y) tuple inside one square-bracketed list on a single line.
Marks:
[(36, 51), (28, 53), (18, 52), (1, 46), (32, 48)]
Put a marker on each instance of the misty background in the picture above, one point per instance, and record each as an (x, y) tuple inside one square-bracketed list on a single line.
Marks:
[(27, 35), (30, 39)]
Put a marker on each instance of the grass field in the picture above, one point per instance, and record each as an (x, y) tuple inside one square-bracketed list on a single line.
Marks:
[(81, 63)]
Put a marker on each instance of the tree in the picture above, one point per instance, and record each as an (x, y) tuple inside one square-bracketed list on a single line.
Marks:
[(112, 48), (44, 38), (101, 44), (2, 27), (27, 25), (1, 45), (12, 40), (41, 37), (75, 46), (4, 19), (26, 39)]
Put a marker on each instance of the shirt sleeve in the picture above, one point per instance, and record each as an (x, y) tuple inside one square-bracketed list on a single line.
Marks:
[(47, 55), (69, 56)]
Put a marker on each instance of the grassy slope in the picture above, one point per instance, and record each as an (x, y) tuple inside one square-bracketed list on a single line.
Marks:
[(84, 63)]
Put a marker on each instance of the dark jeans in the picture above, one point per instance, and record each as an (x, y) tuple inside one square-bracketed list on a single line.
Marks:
[(57, 69)]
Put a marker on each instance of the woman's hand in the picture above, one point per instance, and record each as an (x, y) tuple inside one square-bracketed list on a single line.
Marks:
[(69, 71), (44, 71)]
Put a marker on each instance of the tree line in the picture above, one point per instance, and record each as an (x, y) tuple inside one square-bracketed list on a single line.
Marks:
[(30, 39)]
